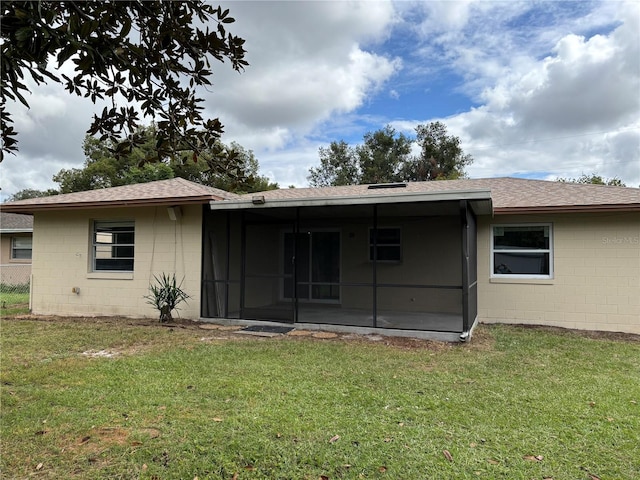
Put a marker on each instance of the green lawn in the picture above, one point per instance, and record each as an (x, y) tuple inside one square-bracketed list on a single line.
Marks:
[(13, 302), (181, 403)]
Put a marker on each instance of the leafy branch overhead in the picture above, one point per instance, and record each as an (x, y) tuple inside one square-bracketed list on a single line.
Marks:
[(150, 53)]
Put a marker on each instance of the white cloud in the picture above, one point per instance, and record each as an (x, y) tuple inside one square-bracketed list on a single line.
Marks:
[(554, 86), (557, 100), (583, 86), (50, 136), (310, 63), (307, 63)]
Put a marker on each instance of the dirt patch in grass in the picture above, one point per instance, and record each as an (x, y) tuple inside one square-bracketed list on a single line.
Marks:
[(15, 305), (99, 439), (482, 339), (404, 343), (99, 320)]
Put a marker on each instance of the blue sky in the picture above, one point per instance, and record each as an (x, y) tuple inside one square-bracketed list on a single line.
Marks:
[(541, 89)]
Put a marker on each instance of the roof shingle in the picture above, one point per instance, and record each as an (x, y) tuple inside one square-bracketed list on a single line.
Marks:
[(508, 194), (15, 222), (175, 191)]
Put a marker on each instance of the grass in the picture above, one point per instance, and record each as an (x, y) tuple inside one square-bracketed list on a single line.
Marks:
[(13, 302), (183, 403)]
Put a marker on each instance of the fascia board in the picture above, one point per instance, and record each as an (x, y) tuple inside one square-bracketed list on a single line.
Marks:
[(352, 200)]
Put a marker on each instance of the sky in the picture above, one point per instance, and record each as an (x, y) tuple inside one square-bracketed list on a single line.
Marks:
[(533, 89)]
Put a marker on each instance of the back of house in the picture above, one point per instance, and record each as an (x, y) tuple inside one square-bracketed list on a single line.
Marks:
[(427, 258)]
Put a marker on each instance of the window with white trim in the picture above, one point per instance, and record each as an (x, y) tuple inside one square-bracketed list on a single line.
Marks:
[(21, 248), (388, 246), (522, 251), (113, 246)]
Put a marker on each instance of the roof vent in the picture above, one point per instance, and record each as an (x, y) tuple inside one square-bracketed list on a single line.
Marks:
[(387, 185)]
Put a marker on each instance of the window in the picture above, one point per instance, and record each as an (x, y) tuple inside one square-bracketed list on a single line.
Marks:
[(21, 248), (113, 246), (522, 251), (388, 245)]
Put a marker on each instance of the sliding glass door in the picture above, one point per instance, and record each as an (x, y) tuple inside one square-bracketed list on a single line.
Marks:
[(315, 256)]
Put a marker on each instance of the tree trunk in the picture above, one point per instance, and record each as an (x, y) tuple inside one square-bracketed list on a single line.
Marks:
[(165, 314)]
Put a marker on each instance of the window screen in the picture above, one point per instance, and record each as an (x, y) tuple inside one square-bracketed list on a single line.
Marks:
[(522, 250), (21, 248), (113, 246)]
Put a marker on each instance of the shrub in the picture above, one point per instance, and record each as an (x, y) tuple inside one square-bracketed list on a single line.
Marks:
[(165, 295)]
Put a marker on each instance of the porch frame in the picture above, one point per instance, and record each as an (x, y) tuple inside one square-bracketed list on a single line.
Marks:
[(469, 204)]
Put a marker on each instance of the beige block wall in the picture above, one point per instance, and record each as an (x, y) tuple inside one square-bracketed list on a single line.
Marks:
[(62, 261), (596, 284)]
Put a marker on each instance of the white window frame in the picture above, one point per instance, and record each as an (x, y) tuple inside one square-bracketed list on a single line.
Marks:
[(14, 248), (94, 225), (536, 250), (399, 245)]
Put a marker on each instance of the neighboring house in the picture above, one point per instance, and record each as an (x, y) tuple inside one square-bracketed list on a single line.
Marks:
[(428, 257), (15, 248)]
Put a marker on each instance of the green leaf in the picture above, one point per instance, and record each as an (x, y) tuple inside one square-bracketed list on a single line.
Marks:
[(24, 33)]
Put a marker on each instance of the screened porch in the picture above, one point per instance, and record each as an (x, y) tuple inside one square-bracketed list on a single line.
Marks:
[(402, 266)]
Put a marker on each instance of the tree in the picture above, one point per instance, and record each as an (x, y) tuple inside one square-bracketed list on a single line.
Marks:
[(148, 53), (231, 168), (382, 155), (593, 179), (31, 193), (246, 180), (385, 156), (441, 157), (338, 166), (103, 169)]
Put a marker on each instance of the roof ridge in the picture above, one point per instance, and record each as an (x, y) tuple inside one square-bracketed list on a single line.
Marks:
[(188, 183), (542, 180)]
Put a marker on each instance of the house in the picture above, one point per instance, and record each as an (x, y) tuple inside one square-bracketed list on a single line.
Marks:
[(429, 258), (15, 248)]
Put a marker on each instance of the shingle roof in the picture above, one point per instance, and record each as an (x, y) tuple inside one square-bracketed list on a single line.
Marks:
[(14, 222), (509, 195), (176, 191)]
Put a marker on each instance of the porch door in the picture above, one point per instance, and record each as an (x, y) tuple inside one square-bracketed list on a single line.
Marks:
[(316, 263)]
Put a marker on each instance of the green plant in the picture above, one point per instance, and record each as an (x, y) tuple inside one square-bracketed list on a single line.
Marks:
[(166, 295)]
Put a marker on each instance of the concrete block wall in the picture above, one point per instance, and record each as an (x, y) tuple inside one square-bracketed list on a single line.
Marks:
[(62, 262), (596, 284)]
